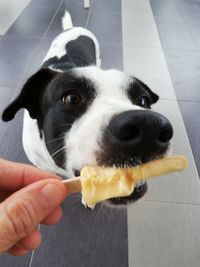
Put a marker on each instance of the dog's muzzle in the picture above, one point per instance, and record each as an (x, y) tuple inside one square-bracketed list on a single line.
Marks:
[(132, 138)]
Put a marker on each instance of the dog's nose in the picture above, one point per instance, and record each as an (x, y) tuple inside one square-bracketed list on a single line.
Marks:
[(142, 131)]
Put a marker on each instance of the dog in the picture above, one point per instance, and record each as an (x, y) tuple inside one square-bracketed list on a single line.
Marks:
[(78, 114)]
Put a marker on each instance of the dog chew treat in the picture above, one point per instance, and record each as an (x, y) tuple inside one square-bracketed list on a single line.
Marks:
[(98, 183)]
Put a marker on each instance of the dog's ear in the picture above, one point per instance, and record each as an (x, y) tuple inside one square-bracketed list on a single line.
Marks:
[(30, 95), (154, 97)]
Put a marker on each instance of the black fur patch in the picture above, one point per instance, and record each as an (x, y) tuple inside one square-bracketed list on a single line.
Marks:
[(137, 89), (79, 53), (30, 97), (41, 96), (59, 117)]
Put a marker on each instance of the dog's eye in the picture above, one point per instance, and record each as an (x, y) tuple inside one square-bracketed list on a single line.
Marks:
[(143, 101), (71, 99)]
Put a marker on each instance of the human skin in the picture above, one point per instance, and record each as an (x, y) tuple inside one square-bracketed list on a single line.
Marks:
[(28, 196)]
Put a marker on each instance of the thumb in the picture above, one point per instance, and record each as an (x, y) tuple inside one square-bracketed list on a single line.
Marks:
[(24, 210)]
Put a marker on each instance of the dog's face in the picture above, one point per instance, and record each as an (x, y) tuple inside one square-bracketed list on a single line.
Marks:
[(89, 116)]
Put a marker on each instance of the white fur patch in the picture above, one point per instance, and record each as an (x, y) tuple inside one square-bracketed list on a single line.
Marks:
[(58, 49), (67, 21), (35, 147), (83, 139)]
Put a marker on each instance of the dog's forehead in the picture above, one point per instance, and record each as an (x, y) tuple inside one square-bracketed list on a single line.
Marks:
[(105, 81)]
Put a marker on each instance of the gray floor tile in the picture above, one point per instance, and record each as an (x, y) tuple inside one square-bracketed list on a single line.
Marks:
[(9, 11), (111, 56), (188, 90), (176, 187), (11, 133), (138, 27), (165, 9), (6, 93), (190, 10), (106, 27), (144, 31), (78, 13), (183, 65), (85, 238), (105, 6), (175, 33), (56, 26), (149, 65), (164, 235), (40, 54), (46, 3), (10, 261), (190, 112), (33, 22), (15, 54), (173, 30), (182, 187)]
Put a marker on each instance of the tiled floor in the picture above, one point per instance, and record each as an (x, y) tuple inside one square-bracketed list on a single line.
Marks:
[(9, 11), (178, 26), (169, 199), (162, 48)]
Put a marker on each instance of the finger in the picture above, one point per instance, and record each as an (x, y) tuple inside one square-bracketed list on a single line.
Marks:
[(4, 195), (14, 176), (31, 241), (53, 217), (25, 209), (17, 251)]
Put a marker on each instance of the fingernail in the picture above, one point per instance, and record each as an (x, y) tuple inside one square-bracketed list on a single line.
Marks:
[(53, 195)]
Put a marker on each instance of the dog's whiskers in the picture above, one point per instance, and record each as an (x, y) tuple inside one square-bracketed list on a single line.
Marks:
[(64, 124), (58, 151), (54, 140)]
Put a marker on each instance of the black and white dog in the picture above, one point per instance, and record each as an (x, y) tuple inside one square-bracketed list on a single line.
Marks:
[(78, 114)]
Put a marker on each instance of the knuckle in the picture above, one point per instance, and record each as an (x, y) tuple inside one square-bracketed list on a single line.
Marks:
[(22, 217)]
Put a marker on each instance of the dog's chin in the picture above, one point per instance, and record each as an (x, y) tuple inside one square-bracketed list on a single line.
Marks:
[(138, 192)]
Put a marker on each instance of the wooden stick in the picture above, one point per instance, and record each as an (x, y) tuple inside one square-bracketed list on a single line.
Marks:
[(73, 185)]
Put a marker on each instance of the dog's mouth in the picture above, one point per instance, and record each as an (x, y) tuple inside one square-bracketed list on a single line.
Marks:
[(139, 190)]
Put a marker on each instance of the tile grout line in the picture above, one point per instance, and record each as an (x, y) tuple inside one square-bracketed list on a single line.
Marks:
[(56, 12), (131, 251), (4, 85), (36, 49), (44, 7), (89, 14), (175, 83), (170, 203), (163, 46), (189, 27), (179, 100), (33, 252)]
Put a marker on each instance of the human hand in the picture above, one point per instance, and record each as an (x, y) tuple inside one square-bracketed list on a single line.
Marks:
[(27, 197)]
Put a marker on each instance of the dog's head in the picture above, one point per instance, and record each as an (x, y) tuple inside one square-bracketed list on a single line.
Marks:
[(89, 116)]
